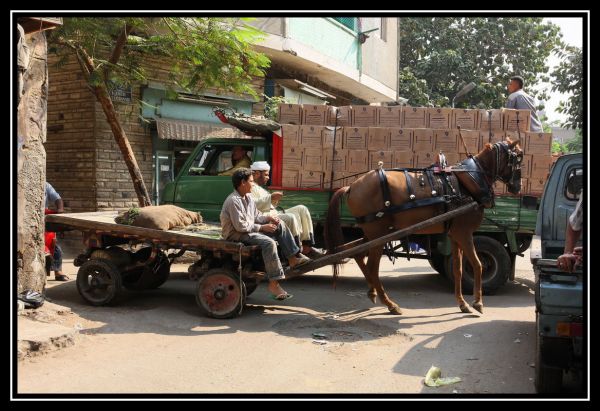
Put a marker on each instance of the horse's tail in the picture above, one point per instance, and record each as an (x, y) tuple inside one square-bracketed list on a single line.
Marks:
[(334, 236)]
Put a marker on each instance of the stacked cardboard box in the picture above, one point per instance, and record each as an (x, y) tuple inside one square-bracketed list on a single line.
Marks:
[(400, 137)]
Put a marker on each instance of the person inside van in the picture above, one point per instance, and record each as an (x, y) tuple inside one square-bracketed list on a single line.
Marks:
[(239, 159)]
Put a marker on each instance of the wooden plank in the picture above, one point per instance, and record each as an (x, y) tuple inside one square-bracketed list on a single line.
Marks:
[(333, 258), (103, 223)]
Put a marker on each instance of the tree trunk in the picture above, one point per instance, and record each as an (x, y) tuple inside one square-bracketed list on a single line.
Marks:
[(123, 142), (31, 166)]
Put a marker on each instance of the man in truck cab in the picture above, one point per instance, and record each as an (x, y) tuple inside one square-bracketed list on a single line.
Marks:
[(297, 218), (241, 221), (239, 159)]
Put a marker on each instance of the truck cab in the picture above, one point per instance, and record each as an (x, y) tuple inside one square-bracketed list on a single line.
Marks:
[(559, 296)]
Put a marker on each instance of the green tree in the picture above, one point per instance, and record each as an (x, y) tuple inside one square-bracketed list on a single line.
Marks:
[(574, 145), (439, 55), (568, 79), (203, 52)]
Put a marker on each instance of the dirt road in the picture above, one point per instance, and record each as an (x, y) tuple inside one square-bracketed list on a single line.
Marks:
[(157, 342)]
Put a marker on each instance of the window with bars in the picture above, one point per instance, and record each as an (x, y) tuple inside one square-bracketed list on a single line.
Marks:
[(350, 22)]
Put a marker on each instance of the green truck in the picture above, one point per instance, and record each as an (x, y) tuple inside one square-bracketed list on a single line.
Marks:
[(506, 232)]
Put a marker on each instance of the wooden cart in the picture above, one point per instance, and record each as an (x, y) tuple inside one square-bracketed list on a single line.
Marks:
[(137, 258)]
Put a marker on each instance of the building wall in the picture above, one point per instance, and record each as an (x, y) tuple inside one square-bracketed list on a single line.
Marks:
[(377, 54), (326, 36), (70, 145)]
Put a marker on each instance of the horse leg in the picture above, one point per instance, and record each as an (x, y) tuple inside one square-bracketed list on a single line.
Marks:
[(373, 270), (372, 294), (471, 255), (457, 272)]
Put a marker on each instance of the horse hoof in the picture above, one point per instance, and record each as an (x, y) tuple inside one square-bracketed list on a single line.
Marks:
[(396, 310), (372, 297), (478, 307), (465, 308)]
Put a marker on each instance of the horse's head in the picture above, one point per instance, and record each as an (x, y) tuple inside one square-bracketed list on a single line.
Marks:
[(508, 156)]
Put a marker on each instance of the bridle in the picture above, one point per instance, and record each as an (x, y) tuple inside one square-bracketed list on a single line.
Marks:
[(514, 161)]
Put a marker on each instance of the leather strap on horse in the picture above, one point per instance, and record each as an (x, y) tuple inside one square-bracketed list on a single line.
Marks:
[(385, 188), (398, 208)]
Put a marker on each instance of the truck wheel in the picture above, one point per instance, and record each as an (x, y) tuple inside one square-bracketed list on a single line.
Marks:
[(220, 294), (437, 263), (99, 282), (547, 379), (495, 263), (523, 242)]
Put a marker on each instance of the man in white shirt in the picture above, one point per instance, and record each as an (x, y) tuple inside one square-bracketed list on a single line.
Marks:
[(297, 218)]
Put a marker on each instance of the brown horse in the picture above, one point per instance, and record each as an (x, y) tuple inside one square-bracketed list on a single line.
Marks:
[(384, 202)]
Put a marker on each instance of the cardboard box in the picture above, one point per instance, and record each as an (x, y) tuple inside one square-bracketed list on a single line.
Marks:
[(339, 179), (514, 135), (290, 114), (472, 138), (454, 158), (403, 159), (357, 161), (344, 114), (446, 140), (538, 143), (490, 137), (328, 135), (536, 186), (526, 166), (423, 139), (364, 116), (311, 179), (540, 166), (376, 156), (467, 119), (314, 114), (311, 136), (423, 159), (313, 159), (378, 138), (439, 118), (291, 135), (292, 158), (513, 118), (355, 138), (414, 117), (496, 120), (351, 178), (338, 159), (389, 116), (290, 178), (401, 139)]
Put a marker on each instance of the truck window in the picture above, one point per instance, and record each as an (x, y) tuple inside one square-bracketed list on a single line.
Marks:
[(574, 184), (200, 164)]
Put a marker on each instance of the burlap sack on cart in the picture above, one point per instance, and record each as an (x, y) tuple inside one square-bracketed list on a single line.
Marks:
[(164, 217)]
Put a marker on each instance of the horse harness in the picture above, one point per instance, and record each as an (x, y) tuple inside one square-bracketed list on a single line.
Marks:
[(447, 191)]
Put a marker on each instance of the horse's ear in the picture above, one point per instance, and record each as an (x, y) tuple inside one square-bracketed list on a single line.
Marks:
[(488, 146), (513, 144)]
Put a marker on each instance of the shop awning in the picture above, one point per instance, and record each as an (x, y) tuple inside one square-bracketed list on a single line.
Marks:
[(173, 129)]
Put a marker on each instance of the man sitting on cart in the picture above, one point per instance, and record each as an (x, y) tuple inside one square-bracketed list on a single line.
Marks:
[(241, 221)]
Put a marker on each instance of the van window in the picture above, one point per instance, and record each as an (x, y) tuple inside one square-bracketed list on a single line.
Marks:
[(574, 184)]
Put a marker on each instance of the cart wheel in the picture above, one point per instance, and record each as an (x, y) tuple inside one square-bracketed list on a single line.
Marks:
[(219, 294), (98, 282), (148, 277)]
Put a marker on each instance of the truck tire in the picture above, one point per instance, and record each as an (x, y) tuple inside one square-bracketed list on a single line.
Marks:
[(438, 264), (495, 263), (547, 379)]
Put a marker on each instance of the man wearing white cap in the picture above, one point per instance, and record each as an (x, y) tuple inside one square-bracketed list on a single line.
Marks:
[(297, 218)]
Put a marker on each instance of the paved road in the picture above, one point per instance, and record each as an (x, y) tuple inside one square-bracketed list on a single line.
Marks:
[(157, 342)]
